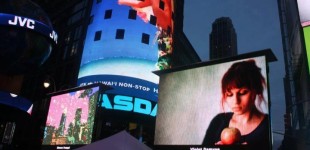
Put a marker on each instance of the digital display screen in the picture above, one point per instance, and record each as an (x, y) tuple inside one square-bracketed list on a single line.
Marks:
[(304, 12), (126, 40), (304, 15), (307, 43), (71, 116), (197, 103)]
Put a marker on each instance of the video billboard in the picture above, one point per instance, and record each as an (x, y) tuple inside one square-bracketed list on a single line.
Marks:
[(126, 40), (197, 103), (71, 118), (304, 15)]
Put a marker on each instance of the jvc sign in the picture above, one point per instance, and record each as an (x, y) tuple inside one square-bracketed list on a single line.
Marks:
[(22, 22), (127, 103)]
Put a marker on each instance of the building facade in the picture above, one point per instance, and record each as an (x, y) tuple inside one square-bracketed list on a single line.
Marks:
[(71, 19), (223, 39)]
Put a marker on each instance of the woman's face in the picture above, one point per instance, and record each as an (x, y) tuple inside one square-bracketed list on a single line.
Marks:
[(240, 100)]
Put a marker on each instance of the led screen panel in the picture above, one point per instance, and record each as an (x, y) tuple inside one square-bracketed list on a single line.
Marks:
[(304, 12), (307, 43), (191, 106), (126, 40), (70, 118)]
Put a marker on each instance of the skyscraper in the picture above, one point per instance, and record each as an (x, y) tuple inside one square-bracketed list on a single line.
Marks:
[(223, 39)]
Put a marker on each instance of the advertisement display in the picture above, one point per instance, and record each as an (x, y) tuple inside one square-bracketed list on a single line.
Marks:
[(126, 40), (307, 43), (304, 12), (304, 15), (218, 104), (71, 118)]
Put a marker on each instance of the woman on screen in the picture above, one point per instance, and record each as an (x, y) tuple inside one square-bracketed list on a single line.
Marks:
[(242, 91)]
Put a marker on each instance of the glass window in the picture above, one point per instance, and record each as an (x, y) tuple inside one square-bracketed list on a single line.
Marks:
[(132, 14), (162, 5), (108, 14), (153, 20), (97, 36), (145, 38), (120, 34)]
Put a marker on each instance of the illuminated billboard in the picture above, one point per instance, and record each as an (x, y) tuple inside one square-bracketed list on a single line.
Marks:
[(304, 12), (71, 118), (307, 43), (218, 104), (126, 40), (304, 15)]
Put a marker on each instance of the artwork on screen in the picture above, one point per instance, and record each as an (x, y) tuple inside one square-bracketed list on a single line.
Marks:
[(197, 103), (71, 117)]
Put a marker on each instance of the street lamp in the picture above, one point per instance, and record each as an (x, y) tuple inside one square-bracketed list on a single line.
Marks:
[(48, 81)]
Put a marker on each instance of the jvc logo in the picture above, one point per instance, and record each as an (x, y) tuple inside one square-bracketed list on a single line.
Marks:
[(20, 21)]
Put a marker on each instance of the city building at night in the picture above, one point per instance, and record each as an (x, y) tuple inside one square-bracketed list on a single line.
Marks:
[(223, 39)]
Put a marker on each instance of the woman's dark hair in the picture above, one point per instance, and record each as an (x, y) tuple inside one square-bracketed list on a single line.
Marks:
[(244, 74)]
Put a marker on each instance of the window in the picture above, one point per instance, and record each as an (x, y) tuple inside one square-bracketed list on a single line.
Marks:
[(161, 5), (145, 38), (78, 33), (153, 20), (98, 1), (132, 14), (74, 48), (91, 19), (97, 36), (120, 34), (108, 14)]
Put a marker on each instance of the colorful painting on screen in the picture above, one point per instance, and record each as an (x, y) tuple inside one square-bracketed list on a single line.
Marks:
[(70, 118)]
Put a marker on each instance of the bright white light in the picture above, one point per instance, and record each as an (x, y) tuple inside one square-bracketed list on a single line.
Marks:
[(13, 95), (46, 84)]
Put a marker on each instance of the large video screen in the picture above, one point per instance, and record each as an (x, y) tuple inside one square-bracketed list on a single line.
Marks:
[(307, 43), (71, 116), (304, 15), (304, 12), (126, 40), (214, 105)]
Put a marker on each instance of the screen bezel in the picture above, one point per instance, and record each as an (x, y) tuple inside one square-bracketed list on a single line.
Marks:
[(269, 57)]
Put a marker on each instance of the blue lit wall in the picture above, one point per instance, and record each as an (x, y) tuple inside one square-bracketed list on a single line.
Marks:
[(121, 50)]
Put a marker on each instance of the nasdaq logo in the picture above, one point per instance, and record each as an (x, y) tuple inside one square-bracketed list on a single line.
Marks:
[(127, 103)]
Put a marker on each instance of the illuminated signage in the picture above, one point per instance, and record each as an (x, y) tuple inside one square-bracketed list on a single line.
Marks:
[(307, 43), (126, 40), (304, 14), (32, 24), (128, 103)]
